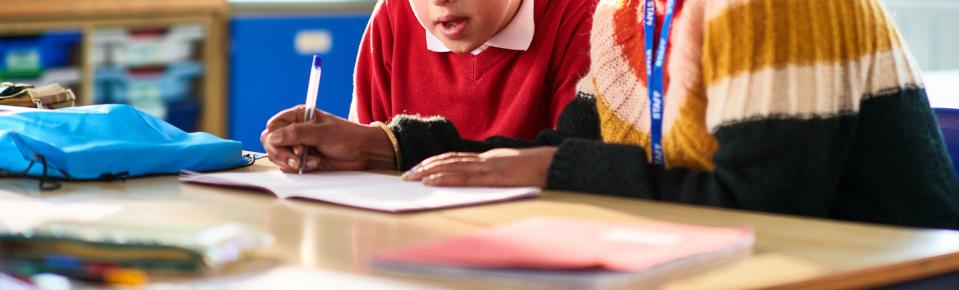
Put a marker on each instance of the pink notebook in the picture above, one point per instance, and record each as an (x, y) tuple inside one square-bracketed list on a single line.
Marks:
[(547, 249)]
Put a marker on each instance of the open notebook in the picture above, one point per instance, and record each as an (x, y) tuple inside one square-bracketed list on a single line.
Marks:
[(361, 189)]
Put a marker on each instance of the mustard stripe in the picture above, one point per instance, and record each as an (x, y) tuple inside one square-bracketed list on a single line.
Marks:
[(614, 129), (688, 143), (774, 33)]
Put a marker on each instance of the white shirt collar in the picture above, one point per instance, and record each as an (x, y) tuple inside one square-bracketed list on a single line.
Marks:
[(517, 35)]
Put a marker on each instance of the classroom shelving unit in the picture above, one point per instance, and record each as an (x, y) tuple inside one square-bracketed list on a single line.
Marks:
[(27, 17)]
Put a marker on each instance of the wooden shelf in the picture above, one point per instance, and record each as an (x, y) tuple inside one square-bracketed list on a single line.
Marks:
[(46, 10), (268, 7), (32, 16)]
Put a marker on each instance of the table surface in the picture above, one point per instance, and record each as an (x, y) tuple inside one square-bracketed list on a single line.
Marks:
[(790, 252)]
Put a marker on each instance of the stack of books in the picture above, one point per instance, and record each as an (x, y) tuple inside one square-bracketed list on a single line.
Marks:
[(98, 251), (51, 96)]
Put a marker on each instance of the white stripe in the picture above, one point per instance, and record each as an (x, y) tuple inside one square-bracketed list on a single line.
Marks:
[(685, 62), (615, 81), (623, 92), (805, 92)]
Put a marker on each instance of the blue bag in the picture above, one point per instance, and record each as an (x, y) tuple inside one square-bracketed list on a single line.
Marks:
[(105, 142)]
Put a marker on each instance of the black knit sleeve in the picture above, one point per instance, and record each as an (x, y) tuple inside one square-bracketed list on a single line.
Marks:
[(843, 167), (423, 137)]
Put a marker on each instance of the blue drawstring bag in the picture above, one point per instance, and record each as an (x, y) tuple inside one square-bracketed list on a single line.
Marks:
[(105, 142)]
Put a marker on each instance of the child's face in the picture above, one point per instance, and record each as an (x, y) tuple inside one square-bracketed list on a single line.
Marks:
[(464, 25)]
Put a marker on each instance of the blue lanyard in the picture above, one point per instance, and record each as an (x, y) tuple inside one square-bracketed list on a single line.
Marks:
[(654, 73)]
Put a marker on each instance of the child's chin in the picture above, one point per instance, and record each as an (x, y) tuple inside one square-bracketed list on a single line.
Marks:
[(462, 46)]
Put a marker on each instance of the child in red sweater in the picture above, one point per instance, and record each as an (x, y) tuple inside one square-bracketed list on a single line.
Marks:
[(493, 67)]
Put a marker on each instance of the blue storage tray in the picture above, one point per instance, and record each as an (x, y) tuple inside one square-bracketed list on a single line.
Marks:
[(50, 49), (119, 85)]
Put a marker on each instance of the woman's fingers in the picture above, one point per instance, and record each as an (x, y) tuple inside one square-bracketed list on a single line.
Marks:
[(499, 167), (461, 163), (445, 156), (464, 178), (441, 157)]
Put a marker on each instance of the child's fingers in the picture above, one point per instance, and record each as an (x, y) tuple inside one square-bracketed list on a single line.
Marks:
[(292, 116), (279, 155), (281, 160), (313, 134), (312, 163), (285, 118), (281, 163)]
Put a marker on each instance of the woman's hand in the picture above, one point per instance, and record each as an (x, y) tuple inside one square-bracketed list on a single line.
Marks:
[(333, 143), (498, 168)]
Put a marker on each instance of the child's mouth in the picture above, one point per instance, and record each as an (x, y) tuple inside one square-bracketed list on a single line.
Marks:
[(452, 26)]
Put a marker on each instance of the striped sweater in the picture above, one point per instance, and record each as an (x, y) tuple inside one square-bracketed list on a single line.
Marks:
[(801, 107)]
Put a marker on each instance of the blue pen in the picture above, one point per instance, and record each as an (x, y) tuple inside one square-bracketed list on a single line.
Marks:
[(311, 91)]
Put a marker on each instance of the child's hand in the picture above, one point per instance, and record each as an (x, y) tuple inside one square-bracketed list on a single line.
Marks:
[(333, 143), (498, 167)]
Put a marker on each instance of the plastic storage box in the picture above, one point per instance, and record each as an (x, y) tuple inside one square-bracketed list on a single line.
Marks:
[(144, 47), (173, 83), (165, 93), (26, 57)]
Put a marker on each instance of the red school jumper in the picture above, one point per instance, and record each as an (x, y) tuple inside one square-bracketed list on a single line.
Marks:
[(497, 92)]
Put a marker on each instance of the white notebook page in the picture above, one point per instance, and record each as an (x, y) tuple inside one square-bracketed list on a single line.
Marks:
[(363, 189)]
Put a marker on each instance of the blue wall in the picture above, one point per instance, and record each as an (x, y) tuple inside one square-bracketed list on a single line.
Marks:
[(267, 74)]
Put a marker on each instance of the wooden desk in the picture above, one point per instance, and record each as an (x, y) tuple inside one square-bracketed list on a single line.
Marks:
[(790, 252)]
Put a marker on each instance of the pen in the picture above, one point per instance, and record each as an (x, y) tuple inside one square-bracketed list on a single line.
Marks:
[(311, 92), (70, 267)]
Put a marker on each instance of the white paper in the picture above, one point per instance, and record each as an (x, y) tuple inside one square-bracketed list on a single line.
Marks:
[(942, 88), (296, 278), (363, 189), (20, 214), (10, 283)]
